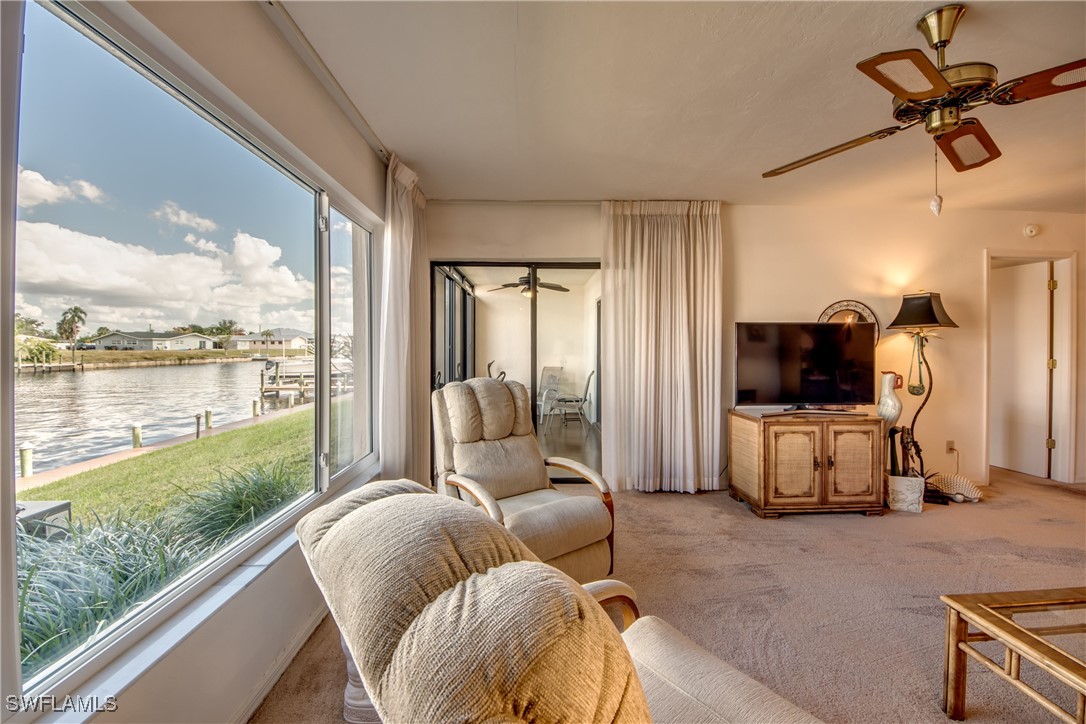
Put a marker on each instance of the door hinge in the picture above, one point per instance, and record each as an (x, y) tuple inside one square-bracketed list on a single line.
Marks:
[(1051, 364), (1050, 444), (1053, 285)]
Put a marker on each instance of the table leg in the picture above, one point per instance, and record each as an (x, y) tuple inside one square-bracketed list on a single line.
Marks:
[(955, 666)]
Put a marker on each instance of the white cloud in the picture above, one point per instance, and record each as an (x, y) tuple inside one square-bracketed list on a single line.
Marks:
[(174, 215), (27, 309), (35, 189), (131, 286), (202, 244)]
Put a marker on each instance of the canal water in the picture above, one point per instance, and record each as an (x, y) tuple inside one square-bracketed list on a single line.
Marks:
[(75, 416)]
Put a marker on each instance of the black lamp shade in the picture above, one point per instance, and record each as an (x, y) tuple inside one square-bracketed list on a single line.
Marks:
[(919, 311)]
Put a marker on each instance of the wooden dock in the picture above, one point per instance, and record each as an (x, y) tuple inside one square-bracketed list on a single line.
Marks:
[(42, 367), (302, 380)]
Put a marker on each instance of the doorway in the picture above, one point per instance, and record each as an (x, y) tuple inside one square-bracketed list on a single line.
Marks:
[(1031, 359), (536, 323)]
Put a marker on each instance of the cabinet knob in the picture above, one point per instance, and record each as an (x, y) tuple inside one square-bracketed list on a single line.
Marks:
[(829, 461), (817, 465)]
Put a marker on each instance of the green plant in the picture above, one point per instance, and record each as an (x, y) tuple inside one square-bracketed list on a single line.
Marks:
[(237, 501), (75, 583), (72, 585)]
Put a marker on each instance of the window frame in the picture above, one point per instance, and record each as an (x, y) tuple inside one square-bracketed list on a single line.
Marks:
[(126, 633)]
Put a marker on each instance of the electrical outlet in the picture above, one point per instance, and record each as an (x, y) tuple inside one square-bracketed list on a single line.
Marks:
[(950, 446)]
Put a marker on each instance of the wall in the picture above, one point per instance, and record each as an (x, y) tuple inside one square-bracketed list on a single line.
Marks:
[(523, 232), (789, 263)]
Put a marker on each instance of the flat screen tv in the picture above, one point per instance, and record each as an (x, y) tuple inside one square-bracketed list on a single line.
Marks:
[(804, 364)]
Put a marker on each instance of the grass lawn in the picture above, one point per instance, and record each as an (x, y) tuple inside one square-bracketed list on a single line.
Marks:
[(148, 483)]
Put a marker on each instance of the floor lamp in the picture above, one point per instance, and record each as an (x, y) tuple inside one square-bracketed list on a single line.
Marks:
[(919, 314)]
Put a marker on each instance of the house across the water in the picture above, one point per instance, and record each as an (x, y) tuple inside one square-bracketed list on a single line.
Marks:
[(154, 341)]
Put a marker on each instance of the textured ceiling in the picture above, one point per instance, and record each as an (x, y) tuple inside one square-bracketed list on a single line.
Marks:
[(589, 101)]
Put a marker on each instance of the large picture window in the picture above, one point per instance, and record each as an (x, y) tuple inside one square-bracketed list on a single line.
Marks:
[(168, 369)]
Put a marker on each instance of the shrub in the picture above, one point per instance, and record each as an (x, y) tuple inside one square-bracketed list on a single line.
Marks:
[(72, 586), (237, 501)]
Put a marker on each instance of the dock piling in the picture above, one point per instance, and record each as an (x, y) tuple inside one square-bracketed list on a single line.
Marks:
[(137, 435), (256, 409), (26, 460), (207, 418), (198, 426)]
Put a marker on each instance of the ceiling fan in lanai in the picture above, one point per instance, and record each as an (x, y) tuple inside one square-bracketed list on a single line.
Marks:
[(939, 95), (525, 284)]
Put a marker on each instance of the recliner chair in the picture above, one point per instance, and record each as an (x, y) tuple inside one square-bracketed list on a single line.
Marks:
[(487, 453), (450, 618)]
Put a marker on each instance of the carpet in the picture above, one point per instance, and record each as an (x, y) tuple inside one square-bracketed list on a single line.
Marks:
[(839, 613)]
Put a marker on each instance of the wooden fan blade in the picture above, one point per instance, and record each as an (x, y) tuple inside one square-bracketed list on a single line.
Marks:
[(876, 136), (555, 287), (506, 286), (1068, 76), (908, 74), (968, 146)]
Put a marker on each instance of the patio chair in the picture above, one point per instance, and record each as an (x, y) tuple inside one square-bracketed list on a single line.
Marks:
[(571, 403)]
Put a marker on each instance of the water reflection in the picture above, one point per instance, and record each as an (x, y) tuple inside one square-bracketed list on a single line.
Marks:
[(75, 416)]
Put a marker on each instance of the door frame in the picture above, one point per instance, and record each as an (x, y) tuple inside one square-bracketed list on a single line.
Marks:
[(533, 268), (1066, 443)]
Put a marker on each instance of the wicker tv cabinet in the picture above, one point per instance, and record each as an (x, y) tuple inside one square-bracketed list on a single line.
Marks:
[(805, 463)]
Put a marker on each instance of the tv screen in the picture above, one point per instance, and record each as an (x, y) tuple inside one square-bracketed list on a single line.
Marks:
[(804, 363)]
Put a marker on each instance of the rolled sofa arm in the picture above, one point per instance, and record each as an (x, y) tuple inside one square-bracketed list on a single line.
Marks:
[(581, 469), (481, 495), (610, 592)]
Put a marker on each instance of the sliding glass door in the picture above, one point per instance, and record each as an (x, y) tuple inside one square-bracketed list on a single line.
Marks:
[(533, 323)]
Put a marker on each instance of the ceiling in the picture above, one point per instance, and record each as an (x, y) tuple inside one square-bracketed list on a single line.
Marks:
[(570, 101)]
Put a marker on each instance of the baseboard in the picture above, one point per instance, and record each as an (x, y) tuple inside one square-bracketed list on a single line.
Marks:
[(246, 711)]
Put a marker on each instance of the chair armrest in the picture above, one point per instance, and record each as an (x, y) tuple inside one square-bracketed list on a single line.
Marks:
[(610, 592), (581, 469), (481, 495)]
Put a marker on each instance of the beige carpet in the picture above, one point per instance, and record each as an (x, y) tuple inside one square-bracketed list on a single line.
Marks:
[(837, 612)]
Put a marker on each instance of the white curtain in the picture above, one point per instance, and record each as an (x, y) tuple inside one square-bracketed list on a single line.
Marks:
[(404, 393), (663, 345)]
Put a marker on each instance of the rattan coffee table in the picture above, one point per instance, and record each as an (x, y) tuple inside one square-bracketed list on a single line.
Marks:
[(1038, 635)]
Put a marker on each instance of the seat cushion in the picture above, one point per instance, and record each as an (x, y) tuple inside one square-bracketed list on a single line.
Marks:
[(558, 525), (685, 683)]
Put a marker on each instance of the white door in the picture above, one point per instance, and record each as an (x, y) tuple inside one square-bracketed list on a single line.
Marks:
[(1018, 410)]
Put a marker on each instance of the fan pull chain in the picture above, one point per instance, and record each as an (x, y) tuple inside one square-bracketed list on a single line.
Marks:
[(936, 200)]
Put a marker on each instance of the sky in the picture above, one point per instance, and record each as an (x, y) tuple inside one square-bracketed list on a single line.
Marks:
[(144, 214)]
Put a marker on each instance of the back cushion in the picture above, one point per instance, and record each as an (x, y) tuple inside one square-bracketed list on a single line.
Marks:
[(450, 618), (483, 431)]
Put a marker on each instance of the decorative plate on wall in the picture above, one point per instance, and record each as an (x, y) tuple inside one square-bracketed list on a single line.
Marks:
[(849, 310)]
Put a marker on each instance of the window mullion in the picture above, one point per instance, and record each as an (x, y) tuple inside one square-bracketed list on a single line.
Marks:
[(323, 347)]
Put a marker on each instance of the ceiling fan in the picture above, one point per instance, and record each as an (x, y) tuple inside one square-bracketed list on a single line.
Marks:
[(940, 95), (525, 284)]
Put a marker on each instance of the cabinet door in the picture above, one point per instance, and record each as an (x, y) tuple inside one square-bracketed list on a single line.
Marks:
[(852, 463), (794, 464)]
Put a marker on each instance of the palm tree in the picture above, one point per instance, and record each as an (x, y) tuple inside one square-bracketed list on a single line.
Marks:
[(68, 326), (267, 334)]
